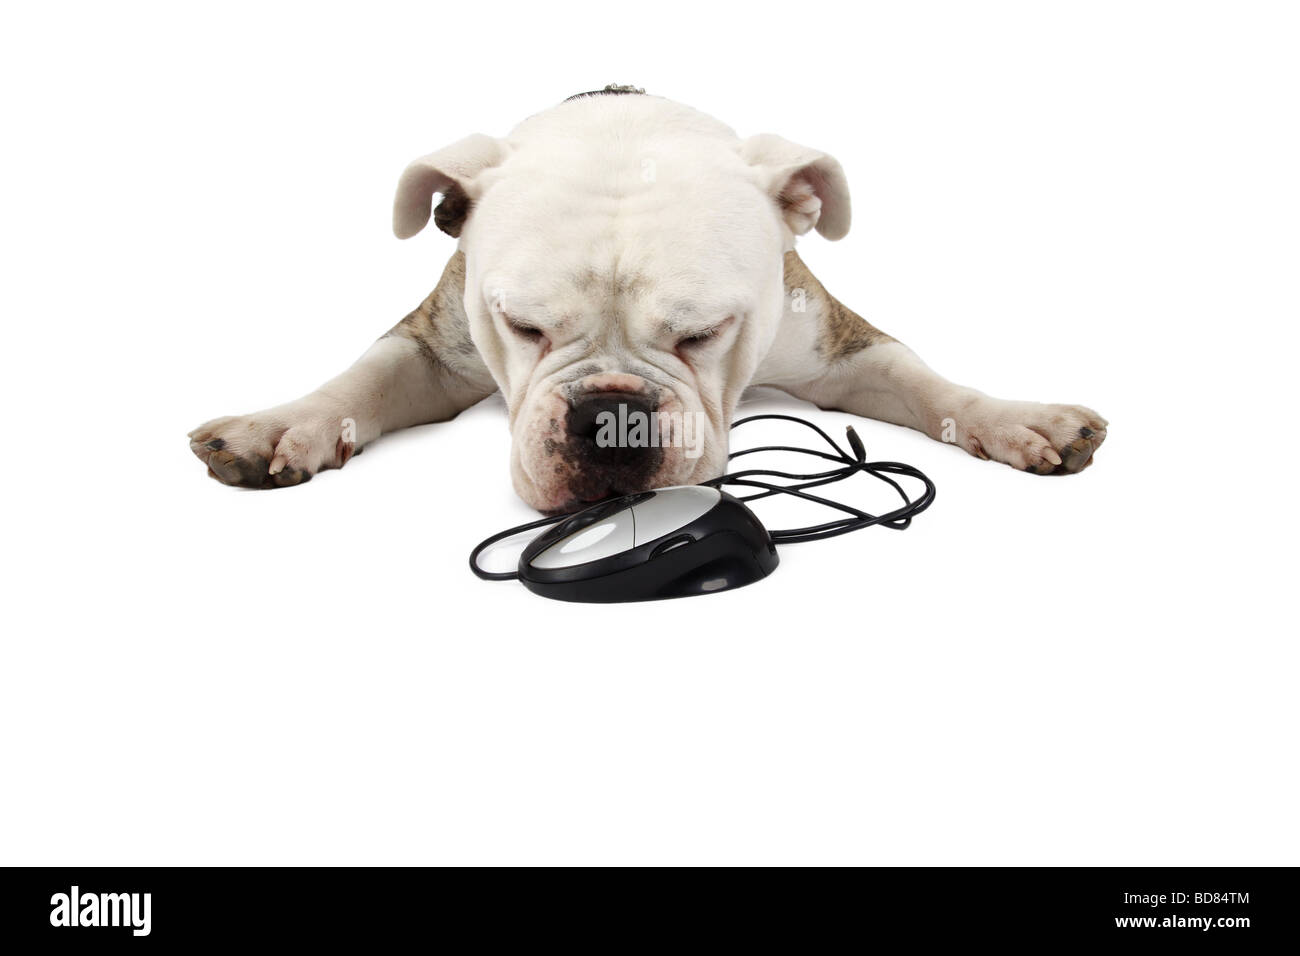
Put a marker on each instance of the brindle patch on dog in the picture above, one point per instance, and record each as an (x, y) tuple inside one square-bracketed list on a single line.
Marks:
[(438, 326), (842, 331)]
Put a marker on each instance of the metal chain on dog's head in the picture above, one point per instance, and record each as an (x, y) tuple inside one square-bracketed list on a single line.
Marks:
[(611, 89)]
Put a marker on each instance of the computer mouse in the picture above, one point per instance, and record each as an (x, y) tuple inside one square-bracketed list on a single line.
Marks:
[(667, 543)]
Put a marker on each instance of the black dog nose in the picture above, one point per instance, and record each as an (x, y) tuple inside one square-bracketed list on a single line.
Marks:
[(605, 418), (614, 438)]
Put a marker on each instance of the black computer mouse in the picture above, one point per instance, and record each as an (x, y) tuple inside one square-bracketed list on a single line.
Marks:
[(672, 542)]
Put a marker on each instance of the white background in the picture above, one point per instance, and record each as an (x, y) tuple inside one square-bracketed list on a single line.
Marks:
[(1091, 203)]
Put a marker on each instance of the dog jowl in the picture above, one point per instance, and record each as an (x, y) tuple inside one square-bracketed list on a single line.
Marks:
[(625, 251)]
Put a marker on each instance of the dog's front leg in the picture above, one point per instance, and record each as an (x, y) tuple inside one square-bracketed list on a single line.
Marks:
[(829, 355), (424, 370)]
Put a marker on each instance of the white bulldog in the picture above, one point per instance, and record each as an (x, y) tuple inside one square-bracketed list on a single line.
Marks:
[(623, 257)]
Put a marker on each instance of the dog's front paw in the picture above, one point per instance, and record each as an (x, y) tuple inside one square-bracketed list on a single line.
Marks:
[(1043, 439), (272, 449)]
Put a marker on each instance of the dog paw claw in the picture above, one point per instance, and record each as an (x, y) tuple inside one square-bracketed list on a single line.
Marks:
[(1040, 439), (270, 450)]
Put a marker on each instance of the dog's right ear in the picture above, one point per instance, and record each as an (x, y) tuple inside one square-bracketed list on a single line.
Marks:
[(450, 171), (808, 185)]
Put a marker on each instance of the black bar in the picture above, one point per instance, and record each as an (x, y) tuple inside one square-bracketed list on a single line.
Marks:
[(1227, 909)]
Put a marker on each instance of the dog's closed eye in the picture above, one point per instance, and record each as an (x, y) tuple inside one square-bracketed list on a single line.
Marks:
[(529, 333), (702, 337), (697, 338)]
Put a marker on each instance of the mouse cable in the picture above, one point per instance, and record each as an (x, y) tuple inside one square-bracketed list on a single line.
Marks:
[(849, 465), (501, 536)]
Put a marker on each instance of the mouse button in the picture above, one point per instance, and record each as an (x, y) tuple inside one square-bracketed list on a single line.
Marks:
[(676, 541), (591, 541), (672, 508), (587, 516)]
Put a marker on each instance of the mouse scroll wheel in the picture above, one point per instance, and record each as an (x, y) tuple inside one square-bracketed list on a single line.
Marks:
[(676, 541)]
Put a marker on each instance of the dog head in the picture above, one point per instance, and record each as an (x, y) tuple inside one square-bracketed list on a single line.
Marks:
[(623, 279)]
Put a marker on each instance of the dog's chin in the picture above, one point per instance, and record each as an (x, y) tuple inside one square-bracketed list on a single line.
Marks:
[(578, 490), (557, 497), (570, 497)]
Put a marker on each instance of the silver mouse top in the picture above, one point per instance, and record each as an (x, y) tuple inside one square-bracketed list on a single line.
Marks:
[(647, 518)]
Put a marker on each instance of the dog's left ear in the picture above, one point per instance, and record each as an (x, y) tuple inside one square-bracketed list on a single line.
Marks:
[(808, 185), (450, 171)]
